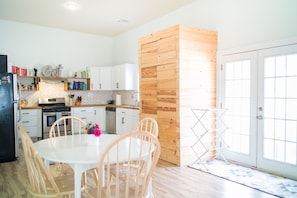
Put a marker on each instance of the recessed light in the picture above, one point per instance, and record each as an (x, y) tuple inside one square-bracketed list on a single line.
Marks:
[(71, 5)]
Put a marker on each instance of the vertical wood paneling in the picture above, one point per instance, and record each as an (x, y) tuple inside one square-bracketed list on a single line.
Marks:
[(185, 78)]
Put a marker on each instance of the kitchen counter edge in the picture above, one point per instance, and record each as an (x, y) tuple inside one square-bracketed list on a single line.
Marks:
[(89, 105)]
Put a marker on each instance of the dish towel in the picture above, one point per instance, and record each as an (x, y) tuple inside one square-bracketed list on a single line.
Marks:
[(58, 115)]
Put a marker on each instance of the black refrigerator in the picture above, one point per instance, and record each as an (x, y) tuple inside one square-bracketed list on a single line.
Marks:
[(9, 105)]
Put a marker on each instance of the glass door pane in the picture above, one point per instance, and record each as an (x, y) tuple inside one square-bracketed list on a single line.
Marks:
[(278, 99), (237, 97)]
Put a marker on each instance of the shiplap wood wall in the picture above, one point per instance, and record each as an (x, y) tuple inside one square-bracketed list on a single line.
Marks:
[(177, 74)]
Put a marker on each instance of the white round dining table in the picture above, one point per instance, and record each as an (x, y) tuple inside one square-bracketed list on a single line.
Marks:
[(81, 152)]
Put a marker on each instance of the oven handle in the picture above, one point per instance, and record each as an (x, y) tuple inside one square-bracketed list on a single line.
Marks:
[(55, 113)]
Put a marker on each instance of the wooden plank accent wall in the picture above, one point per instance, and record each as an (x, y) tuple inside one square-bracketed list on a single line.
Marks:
[(177, 73)]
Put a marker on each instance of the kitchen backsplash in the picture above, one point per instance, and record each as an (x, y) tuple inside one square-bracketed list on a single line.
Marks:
[(53, 89)]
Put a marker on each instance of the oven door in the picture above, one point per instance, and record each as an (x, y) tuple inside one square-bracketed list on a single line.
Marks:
[(48, 119)]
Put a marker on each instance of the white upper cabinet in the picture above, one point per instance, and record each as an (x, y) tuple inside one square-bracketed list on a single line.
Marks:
[(124, 77), (100, 78)]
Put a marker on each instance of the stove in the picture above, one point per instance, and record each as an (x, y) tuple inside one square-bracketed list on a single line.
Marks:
[(53, 104), (52, 110)]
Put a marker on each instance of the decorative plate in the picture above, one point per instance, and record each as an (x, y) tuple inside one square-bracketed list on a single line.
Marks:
[(46, 70), (54, 73)]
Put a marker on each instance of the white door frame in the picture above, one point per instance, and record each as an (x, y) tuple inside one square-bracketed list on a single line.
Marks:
[(254, 110)]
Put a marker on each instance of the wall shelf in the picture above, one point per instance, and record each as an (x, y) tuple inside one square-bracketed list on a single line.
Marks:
[(31, 83)]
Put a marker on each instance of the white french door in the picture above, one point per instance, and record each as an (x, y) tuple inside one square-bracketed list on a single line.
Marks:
[(239, 97), (259, 89)]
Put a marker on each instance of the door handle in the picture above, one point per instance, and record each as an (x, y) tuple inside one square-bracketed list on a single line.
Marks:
[(259, 117)]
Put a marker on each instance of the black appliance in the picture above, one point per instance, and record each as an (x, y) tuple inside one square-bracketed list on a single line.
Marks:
[(3, 63), (9, 107), (52, 110)]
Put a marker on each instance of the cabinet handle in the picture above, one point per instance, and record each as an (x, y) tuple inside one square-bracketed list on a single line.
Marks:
[(25, 113), (25, 121), (123, 120)]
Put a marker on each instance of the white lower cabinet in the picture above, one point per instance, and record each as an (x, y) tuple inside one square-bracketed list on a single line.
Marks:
[(126, 120), (100, 117), (90, 115), (31, 121)]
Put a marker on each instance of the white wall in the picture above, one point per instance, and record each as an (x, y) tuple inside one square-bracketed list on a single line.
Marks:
[(238, 22), (35, 46)]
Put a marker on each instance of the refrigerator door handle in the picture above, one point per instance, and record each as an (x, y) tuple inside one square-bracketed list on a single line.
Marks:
[(19, 102), (20, 111)]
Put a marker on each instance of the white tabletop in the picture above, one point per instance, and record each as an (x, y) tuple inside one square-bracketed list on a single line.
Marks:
[(81, 152)]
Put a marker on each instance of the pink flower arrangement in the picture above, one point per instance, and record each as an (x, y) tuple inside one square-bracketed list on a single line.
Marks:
[(93, 128)]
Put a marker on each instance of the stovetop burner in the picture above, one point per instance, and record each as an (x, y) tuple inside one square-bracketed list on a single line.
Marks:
[(53, 104)]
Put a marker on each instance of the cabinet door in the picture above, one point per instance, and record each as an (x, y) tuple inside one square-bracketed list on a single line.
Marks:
[(120, 120), (99, 117), (117, 78), (100, 78), (126, 120), (131, 120), (94, 78), (124, 77), (105, 78)]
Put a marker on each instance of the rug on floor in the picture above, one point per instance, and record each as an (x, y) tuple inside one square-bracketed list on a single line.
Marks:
[(268, 183)]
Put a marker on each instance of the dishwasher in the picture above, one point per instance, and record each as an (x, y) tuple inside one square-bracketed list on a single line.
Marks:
[(110, 120)]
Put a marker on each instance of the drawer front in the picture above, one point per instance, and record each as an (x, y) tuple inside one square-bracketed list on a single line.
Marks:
[(29, 112), (83, 110), (29, 121), (85, 117), (128, 112), (32, 131)]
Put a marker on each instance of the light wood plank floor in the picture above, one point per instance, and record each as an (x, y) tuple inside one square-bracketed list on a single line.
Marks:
[(169, 181)]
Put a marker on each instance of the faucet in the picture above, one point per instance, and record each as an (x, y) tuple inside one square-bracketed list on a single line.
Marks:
[(136, 98)]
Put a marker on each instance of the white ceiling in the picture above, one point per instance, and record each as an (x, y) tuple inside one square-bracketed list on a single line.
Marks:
[(93, 16)]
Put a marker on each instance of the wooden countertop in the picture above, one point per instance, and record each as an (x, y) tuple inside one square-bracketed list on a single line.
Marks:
[(89, 105)]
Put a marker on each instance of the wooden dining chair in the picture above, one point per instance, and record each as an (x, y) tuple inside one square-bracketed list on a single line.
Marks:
[(41, 182), (59, 128), (148, 125), (129, 150)]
